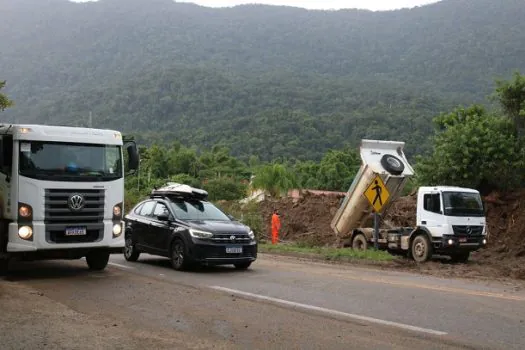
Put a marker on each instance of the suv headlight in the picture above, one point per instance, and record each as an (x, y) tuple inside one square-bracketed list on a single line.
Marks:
[(200, 234), (251, 234)]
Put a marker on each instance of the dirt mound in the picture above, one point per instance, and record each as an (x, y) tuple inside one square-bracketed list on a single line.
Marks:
[(306, 219), (402, 213)]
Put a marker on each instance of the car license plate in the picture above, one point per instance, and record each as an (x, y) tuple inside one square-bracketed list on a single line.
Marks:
[(233, 250), (76, 231), (462, 240)]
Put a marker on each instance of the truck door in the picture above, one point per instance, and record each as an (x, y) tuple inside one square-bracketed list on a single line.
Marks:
[(431, 216)]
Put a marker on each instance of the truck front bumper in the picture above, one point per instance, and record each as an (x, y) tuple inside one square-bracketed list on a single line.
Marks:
[(452, 243), (41, 239)]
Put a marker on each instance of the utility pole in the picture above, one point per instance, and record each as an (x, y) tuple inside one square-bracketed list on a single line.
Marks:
[(90, 120)]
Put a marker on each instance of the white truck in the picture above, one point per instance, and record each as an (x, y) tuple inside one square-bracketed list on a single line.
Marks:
[(61, 193), (450, 221)]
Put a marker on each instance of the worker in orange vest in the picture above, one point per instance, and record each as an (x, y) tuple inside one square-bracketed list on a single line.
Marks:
[(276, 226)]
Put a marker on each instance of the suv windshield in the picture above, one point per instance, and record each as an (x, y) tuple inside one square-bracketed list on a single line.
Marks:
[(462, 204), (60, 161), (185, 209)]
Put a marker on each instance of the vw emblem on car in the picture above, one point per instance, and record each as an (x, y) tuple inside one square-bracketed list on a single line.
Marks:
[(232, 238), (75, 202)]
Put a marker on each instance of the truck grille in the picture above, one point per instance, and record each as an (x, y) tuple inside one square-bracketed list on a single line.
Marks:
[(226, 238), (57, 210), (468, 230)]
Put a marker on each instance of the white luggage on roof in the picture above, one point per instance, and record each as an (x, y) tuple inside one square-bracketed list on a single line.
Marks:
[(173, 188)]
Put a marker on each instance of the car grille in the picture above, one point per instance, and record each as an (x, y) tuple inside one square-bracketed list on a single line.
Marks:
[(226, 238), (468, 230), (57, 210), (216, 252)]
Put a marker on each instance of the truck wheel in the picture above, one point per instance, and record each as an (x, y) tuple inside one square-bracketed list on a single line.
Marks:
[(392, 164), (130, 251), (421, 250), (4, 266), (97, 259), (460, 257), (178, 256), (359, 242)]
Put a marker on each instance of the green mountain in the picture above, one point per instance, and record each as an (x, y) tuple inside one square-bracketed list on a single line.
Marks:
[(265, 80)]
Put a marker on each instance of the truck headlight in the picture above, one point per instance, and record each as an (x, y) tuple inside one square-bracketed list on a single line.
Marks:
[(251, 234), (200, 234), (24, 211), (25, 232), (117, 211), (117, 230)]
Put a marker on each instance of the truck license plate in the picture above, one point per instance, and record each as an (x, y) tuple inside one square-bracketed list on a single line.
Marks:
[(462, 240), (233, 250), (76, 231)]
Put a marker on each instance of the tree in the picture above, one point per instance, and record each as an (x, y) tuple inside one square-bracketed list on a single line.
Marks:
[(475, 149), (4, 101), (274, 178), (337, 169), (511, 96)]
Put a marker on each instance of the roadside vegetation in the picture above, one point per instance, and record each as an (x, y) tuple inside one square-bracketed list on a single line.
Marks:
[(326, 253)]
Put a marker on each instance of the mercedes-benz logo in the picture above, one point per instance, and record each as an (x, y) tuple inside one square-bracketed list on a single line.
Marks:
[(469, 230), (75, 202), (232, 238)]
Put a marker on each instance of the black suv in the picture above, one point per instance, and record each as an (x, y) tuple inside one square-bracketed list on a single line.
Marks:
[(179, 223)]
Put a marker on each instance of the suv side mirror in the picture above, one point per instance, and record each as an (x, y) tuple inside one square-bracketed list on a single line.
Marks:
[(164, 217), (133, 156), (231, 217)]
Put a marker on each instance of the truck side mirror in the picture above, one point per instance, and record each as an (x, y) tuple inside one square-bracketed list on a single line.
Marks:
[(133, 156)]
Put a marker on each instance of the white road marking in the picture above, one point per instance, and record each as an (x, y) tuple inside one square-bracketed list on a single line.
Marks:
[(119, 265), (328, 311)]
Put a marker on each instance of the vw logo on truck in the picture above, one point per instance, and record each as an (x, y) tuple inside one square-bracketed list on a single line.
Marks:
[(75, 202)]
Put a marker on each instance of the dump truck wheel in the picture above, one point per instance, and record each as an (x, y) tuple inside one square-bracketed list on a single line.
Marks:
[(359, 242), (392, 164), (420, 249)]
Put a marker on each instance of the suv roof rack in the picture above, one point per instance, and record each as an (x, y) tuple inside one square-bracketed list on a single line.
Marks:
[(179, 190)]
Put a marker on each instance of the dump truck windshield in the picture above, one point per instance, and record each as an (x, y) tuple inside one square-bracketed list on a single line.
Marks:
[(462, 204)]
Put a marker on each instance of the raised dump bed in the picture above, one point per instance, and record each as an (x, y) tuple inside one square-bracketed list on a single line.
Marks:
[(383, 158)]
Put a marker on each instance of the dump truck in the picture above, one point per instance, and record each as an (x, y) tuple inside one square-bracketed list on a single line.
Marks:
[(450, 220)]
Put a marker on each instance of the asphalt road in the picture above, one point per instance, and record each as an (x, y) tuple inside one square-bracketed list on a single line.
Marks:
[(282, 303)]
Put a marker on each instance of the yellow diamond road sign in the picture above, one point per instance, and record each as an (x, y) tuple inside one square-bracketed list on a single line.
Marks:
[(377, 194)]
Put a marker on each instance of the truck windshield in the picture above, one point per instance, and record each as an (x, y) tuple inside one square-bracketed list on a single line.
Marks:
[(197, 210), (462, 204), (60, 161)]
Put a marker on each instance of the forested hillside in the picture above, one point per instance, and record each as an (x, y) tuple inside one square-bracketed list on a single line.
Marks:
[(270, 81)]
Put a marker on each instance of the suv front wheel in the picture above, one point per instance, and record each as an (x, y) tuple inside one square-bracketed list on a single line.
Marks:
[(130, 251), (178, 256)]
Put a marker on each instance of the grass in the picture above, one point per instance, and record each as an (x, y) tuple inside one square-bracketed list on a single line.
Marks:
[(326, 253)]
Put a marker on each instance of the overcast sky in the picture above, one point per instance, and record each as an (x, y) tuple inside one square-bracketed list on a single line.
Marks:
[(374, 5)]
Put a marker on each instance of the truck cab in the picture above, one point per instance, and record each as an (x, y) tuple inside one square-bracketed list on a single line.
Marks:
[(61, 193), (453, 221)]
